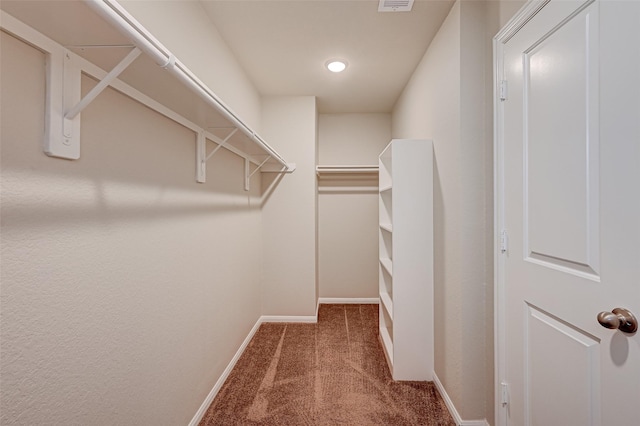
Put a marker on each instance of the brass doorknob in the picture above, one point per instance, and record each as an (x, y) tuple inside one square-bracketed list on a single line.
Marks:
[(619, 318)]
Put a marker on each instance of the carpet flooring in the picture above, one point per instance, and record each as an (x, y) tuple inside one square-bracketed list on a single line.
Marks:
[(330, 373)]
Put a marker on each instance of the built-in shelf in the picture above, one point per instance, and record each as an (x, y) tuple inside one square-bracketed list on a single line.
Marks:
[(387, 344), (405, 214), (386, 301), (323, 171), (344, 179), (387, 264), (88, 37)]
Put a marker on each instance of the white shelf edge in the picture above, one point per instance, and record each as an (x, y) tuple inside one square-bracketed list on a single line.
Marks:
[(387, 303), (347, 169), (387, 344), (385, 188), (387, 265), (387, 227), (347, 189)]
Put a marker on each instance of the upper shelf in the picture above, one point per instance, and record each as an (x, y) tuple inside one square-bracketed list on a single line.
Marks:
[(361, 171), (103, 33), (347, 179)]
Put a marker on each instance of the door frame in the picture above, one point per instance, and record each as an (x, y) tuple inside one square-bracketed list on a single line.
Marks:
[(501, 243)]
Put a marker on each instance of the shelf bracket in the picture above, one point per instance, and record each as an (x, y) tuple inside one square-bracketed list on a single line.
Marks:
[(248, 173), (62, 135), (201, 153), (102, 84)]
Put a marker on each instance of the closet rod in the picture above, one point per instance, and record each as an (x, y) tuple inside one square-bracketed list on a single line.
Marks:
[(113, 12)]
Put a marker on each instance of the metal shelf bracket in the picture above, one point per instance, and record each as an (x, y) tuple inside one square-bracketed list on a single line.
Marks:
[(62, 138), (201, 153), (102, 84), (248, 173), (62, 135), (289, 168)]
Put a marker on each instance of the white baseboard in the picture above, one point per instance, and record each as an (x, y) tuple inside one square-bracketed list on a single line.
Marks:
[(289, 318), (452, 409), (348, 300), (216, 388)]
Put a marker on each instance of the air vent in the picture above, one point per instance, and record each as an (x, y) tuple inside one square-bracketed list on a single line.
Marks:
[(395, 5)]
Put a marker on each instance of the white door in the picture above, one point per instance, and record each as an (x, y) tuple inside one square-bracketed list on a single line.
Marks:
[(568, 197)]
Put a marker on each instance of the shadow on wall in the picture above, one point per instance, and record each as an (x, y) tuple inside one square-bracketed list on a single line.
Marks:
[(270, 182), (135, 165)]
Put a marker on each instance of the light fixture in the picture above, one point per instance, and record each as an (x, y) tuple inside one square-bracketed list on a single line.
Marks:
[(336, 65)]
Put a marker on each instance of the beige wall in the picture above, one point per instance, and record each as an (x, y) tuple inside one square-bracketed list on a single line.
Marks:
[(348, 220), (126, 286), (352, 139), (289, 123), (449, 99)]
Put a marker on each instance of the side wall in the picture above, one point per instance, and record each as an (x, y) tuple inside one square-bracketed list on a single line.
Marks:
[(126, 286), (289, 123), (449, 99), (348, 218)]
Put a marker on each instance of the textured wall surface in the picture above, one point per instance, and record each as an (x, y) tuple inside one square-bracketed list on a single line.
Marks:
[(126, 286)]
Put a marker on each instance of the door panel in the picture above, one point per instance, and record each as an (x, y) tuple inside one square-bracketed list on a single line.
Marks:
[(561, 176), (569, 199), (550, 343)]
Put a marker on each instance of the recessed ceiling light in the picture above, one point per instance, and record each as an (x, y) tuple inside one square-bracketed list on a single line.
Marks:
[(335, 65)]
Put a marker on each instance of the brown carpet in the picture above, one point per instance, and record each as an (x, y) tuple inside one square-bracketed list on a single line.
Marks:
[(329, 373)]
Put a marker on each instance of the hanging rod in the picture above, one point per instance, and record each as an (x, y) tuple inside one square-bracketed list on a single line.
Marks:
[(348, 169), (113, 12)]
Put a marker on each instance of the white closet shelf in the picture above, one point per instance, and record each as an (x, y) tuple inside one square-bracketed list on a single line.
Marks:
[(387, 344), (85, 36), (387, 303), (345, 172), (387, 264), (347, 179), (331, 171)]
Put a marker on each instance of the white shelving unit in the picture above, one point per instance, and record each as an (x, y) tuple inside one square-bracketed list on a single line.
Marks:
[(406, 257)]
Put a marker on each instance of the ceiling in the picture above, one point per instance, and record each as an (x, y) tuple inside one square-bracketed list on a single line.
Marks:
[(284, 44)]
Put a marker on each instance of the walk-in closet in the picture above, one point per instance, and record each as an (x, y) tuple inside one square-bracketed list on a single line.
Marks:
[(169, 194)]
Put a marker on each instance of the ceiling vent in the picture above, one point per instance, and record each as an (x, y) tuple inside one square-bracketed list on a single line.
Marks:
[(395, 5)]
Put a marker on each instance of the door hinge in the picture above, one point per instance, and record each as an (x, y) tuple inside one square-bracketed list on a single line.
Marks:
[(504, 241), (504, 394), (504, 90)]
